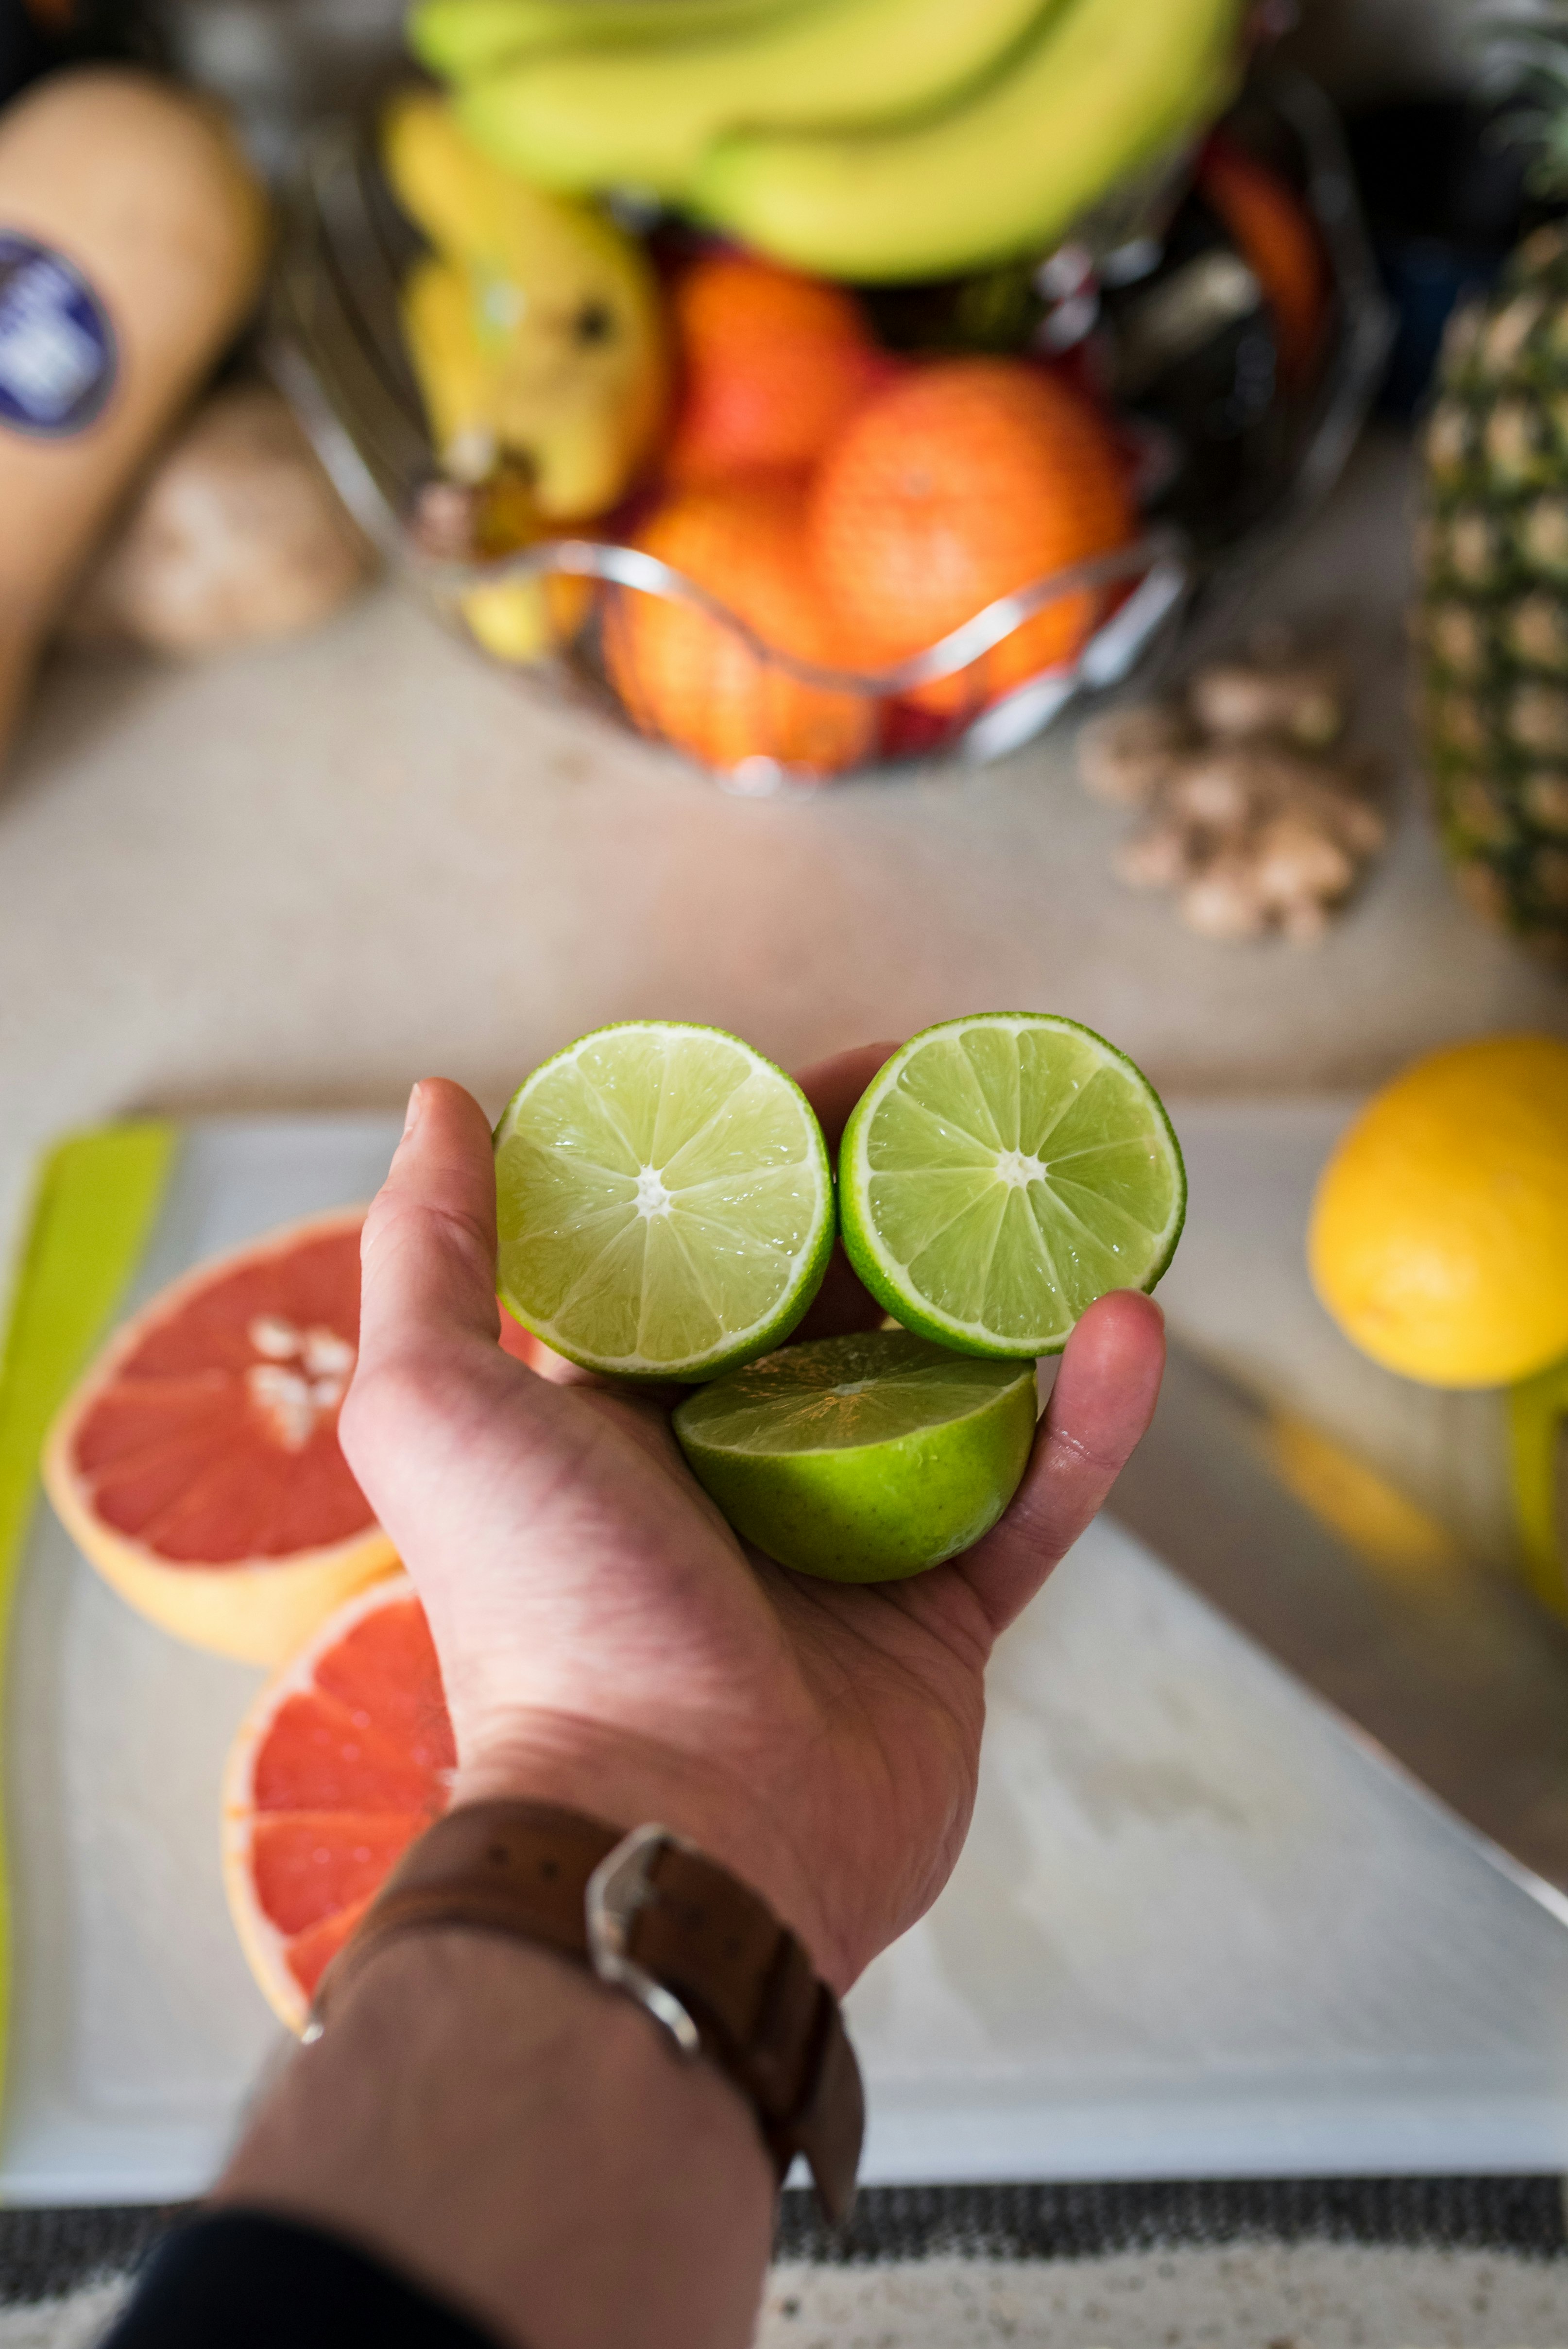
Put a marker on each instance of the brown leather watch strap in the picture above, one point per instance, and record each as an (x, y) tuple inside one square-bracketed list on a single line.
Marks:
[(657, 1919)]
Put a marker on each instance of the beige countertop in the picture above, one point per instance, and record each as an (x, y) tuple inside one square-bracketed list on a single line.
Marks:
[(304, 874)]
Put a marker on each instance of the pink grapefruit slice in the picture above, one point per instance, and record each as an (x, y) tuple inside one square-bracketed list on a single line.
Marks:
[(344, 1758), (197, 1463)]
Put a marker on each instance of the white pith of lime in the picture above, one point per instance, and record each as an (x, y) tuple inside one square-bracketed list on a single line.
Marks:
[(664, 1202), (1001, 1172)]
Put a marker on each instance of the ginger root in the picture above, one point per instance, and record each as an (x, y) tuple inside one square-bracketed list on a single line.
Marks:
[(1159, 856), (235, 536), (1252, 830), (1128, 754), (1241, 703)]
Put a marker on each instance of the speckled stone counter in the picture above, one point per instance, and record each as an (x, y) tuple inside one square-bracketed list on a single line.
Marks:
[(306, 875)]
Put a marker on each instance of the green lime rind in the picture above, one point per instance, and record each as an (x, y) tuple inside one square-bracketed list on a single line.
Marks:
[(954, 1221), (664, 1202), (862, 1459)]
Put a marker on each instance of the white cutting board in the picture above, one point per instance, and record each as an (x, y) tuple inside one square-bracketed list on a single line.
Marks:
[(1196, 1929)]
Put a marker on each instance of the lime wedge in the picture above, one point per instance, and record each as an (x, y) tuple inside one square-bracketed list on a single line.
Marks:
[(862, 1459), (664, 1202), (1001, 1173)]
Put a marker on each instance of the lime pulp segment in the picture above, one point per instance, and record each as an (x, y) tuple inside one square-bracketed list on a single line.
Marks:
[(1001, 1173), (664, 1202), (862, 1459)]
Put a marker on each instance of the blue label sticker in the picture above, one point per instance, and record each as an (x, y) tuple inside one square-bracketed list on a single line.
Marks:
[(58, 354)]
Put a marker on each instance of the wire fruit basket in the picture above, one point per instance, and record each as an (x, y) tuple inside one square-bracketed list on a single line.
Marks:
[(336, 349)]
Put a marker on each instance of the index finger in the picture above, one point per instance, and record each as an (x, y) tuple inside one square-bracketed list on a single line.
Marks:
[(834, 1086), (841, 1307)]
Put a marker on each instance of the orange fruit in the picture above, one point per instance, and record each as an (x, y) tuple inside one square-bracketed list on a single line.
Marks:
[(344, 1757), (686, 675), (773, 363), (956, 484), (197, 1463)]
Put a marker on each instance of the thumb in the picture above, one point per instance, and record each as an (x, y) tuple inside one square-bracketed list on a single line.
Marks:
[(427, 1255), (1103, 1400)]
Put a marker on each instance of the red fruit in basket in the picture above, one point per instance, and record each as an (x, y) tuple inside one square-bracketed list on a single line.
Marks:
[(344, 1757), (958, 484), (774, 364), (197, 1463), (1279, 240), (684, 674)]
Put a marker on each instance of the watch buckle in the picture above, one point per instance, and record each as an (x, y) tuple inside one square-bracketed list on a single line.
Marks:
[(621, 1887)]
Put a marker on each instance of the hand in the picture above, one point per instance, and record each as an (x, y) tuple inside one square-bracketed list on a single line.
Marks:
[(605, 1640)]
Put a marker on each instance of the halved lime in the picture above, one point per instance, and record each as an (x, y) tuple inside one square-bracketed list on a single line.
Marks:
[(1000, 1172), (664, 1202), (862, 1459)]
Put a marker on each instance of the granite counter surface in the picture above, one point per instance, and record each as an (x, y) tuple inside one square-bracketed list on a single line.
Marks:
[(307, 873)]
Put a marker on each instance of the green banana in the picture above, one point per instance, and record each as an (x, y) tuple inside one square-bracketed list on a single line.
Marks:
[(460, 39), (1101, 89), (644, 115)]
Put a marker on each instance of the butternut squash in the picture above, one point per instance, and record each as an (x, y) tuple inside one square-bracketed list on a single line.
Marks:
[(133, 237)]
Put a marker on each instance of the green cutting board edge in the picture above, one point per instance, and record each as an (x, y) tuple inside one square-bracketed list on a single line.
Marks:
[(95, 1201)]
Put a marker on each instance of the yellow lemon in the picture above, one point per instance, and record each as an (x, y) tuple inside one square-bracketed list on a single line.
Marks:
[(1439, 1235)]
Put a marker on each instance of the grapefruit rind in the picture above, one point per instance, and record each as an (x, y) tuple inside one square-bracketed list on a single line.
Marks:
[(265, 1946), (257, 1612)]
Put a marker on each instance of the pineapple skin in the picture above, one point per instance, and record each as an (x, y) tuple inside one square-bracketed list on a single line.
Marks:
[(1492, 621)]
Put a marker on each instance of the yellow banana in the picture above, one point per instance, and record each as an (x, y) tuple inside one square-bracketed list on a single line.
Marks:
[(452, 370), (538, 323), (459, 39), (522, 620), (644, 114), (1101, 88)]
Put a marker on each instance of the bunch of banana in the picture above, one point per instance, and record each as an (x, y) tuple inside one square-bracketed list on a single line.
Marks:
[(463, 39), (863, 138), (535, 325), (536, 330)]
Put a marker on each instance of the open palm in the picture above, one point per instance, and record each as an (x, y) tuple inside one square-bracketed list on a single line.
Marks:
[(607, 1642)]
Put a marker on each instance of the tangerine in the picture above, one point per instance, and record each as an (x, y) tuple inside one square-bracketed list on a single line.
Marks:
[(955, 485), (684, 674), (774, 364)]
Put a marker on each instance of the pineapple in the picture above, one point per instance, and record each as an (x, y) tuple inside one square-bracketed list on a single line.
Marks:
[(1493, 619), (1493, 550)]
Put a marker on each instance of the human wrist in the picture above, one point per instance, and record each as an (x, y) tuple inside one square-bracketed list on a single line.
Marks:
[(628, 1781), (471, 2112)]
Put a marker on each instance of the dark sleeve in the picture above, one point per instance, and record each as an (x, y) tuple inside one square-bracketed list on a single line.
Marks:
[(237, 2280)]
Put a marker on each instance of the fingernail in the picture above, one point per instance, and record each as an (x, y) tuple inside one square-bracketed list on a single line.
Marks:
[(415, 1110)]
